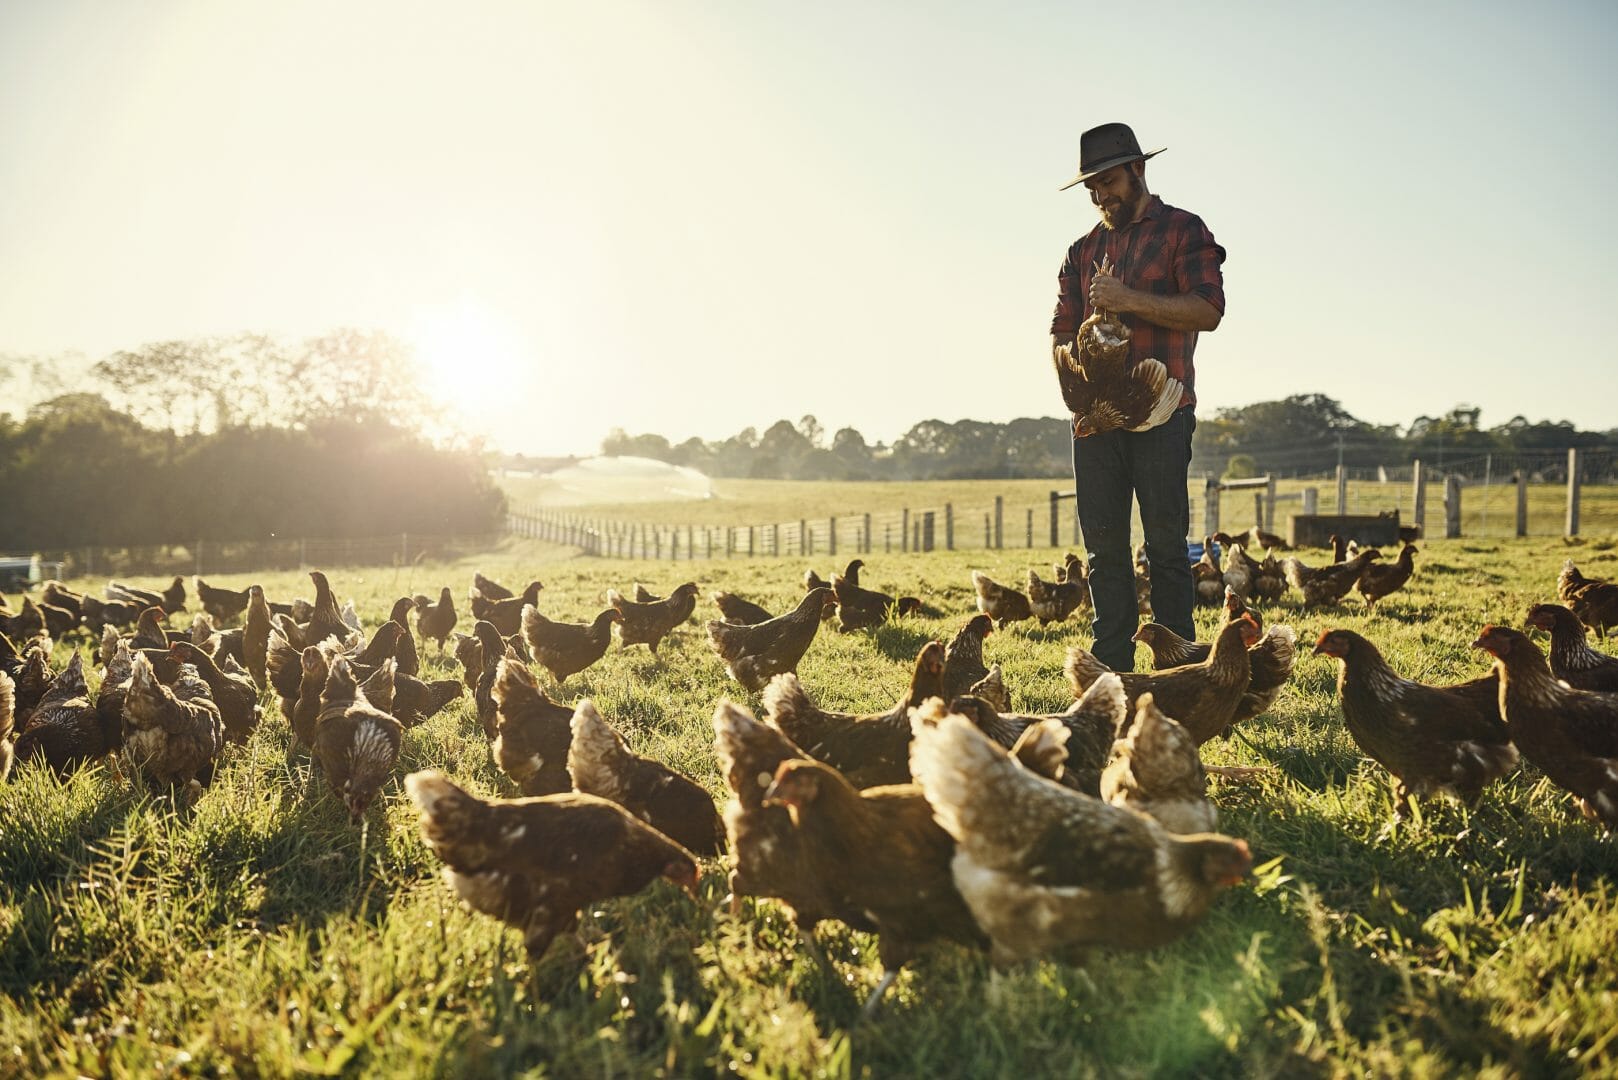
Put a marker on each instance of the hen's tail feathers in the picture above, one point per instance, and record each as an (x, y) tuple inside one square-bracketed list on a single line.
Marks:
[(1083, 669), (950, 759)]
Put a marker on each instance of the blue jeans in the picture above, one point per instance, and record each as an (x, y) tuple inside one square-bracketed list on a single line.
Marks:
[(1151, 466)]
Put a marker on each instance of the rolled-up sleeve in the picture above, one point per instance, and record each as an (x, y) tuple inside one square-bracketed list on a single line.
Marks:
[(1196, 264), (1069, 287)]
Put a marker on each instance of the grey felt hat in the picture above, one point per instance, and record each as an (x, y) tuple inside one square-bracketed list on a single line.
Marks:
[(1102, 148)]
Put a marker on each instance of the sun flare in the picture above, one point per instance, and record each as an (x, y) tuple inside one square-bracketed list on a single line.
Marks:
[(467, 352)]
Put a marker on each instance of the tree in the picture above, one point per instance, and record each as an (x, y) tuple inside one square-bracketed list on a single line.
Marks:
[(811, 430)]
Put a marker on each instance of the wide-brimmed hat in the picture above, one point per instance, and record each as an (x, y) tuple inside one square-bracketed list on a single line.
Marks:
[(1102, 148)]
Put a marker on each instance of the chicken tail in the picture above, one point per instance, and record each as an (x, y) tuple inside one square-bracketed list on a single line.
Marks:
[(792, 711), (1042, 748), (447, 812), (953, 762), (1083, 669), (596, 748)]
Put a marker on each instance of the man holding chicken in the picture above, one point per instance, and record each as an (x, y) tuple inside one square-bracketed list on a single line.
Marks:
[(1156, 269)]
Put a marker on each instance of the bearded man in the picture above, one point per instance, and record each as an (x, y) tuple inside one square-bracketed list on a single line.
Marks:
[(1166, 287)]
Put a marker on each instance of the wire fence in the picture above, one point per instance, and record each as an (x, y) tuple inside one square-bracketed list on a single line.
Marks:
[(276, 553)]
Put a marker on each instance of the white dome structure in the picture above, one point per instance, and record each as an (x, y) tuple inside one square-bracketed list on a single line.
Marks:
[(623, 480)]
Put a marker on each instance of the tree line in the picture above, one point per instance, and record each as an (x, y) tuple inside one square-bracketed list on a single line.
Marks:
[(244, 438), (1299, 435)]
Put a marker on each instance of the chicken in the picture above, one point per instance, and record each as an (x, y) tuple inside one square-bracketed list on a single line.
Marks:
[(171, 599), (222, 604), (1594, 602), (1259, 539), (1206, 577), (283, 671), (532, 733), (491, 650), (1432, 739), (304, 720), (468, 653), (405, 651), (326, 620), (172, 735), (59, 621), (63, 727), (1071, 567), (490, 590), (534, 863), (378, 686), (11, 661), (1044, 869), (232, 691), (601, 763), (356, 744), (435, 621), (1328, 584), (565, 649), (767, 856), (1379, 580), (1339, 549), (34, 679), (256, 636), (1270, 580), (886, 859), (25, 624), (1092, 724), (734, 609), (963, 658), (1055, 601), (504, 612), (858, 608), (868, 750), (755, 654), (1001, 603), (1572, 659), (647, 624), (991, 689), (8, 715), (56, 594), (1156, 771), (1271, 660), (1203, 697), (1100, 386), (416, 700), (1569, 735)]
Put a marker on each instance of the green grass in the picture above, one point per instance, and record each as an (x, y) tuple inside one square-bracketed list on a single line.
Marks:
[(260, 934)]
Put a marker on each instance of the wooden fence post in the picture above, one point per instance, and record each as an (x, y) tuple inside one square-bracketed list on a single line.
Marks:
[(1522, 503), (1030, 526), (1311, 501), (867, 548), (999, 521), (949, 526), (1342, 490), (988, 529), (904, 531), (831, 535), (927, 531), (1452, 507), (1572, 491), (1269, 504), (803, 537), (1418, 512), (1056, 537), (1210, 507)]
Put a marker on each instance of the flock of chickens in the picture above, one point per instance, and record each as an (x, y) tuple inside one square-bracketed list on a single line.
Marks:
[(1025, 835)]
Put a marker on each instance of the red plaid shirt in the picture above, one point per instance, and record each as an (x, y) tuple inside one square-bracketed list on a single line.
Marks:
[(1169, 252)]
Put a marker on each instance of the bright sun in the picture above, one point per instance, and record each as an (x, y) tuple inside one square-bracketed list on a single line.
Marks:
[(466, 352)]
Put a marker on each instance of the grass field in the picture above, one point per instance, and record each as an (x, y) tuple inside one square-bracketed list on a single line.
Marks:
[(260, 934)]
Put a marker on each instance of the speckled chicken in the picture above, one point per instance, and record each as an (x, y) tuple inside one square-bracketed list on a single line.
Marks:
[(736, 609), (1206, 577), (1569, 735), (1572, 659), (1055, 601), (963, 657), (356, 743), (1000, 602), (1093, 723), (532, 733), (172, 735), (1595, 602), (1156, 771), (505, 612), (1045, 869), (1327, 584), (1433, 739), (1382, 579), (755, 654), (600, 762), (859, 607), (647, 624), (64, 728), (868, 750), (565, 649), (232, 691), (256, 636), (534, 863)]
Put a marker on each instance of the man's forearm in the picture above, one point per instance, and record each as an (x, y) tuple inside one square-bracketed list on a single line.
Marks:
[(1187, 311)]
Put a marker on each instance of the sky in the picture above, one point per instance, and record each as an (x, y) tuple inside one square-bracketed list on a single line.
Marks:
[(692, 217)]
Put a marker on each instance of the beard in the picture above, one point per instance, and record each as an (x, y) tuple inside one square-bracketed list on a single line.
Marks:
[(1118, 213)]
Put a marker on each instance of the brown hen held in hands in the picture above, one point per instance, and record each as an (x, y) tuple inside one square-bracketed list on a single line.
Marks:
[(755, 654), (1432, 739), (600, 762), (534, 863)]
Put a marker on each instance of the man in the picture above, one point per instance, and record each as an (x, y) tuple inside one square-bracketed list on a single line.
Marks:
[(1166, 287)]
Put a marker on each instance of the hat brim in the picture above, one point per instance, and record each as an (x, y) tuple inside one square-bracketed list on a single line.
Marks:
[(1111, 163)]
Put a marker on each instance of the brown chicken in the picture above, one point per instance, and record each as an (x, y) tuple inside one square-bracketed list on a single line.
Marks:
[(1432, 739), (991, 690), (647, 624), (416, 700), (868, 750), (435, 621), (256, 636), (565, 649), (491, 649), (1328, 584), (1206, 577), (1240, 570), (356, 743), (1271, 660), (1102, 389), (172, 735), (1594, 602), (1570, 735), (490, 590), (859, 608), (1000, 602), (232, 691), (1055, 601), (1203, 697), (64, 728), (1258, 539), (735, 609), (534, 863), (1156, 771), (1092, 724), (532, 733), (468, 653), (767, 855), (59, 621), (283, 671), (171, 599), (1270, 581), (1381, 579), (34, 679), (304, 720), (222, 604), (600, 762), (908, 893), (963, 657), (326, 620), (58, 595), (504, 612), (1045, 869), (755, 654), (1572, 659)]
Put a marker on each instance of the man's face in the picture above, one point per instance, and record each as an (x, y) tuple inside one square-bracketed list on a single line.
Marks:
[(1117, 194)]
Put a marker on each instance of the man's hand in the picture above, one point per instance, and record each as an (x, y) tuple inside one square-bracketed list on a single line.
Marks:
[(1110, 294)]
